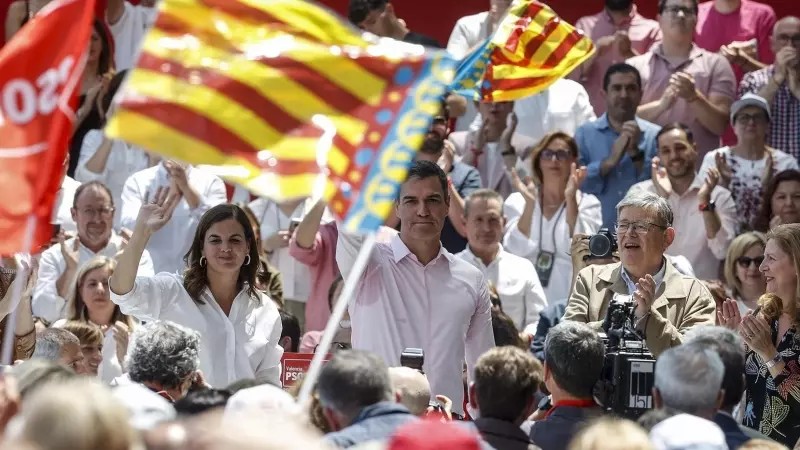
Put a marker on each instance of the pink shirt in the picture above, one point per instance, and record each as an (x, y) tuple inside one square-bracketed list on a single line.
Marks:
[(644, 33), (712, 74), (321, 262), (442, 307)]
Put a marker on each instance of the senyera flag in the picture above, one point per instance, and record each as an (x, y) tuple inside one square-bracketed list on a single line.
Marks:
[(40, 70), (284, 98)]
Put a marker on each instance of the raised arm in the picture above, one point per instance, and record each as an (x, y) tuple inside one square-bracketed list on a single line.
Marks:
[(306, 245)]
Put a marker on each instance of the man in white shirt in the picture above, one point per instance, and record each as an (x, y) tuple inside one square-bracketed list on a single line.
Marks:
[(514, 277), (128, 24), (200, 190), (705, 216), (414, 293), (93, 211)]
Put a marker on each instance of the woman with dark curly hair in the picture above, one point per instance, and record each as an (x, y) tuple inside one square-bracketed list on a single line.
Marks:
[(216, 295), (781, 201)]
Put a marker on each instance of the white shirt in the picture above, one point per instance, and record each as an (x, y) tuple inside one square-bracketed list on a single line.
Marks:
[(123, 161), (555, 238), (705, 255), (295, 275), (442, 308), (110, 368), (516, 283), (466, 35), (241, 345), (47, 304), (62, 211), (168, 245), (128, 32)]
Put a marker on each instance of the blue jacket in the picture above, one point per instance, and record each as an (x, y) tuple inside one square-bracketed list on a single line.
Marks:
[(563, 423), (375, 423)]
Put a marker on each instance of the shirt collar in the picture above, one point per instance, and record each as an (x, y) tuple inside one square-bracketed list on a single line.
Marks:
[(694, 53), (602, 123), (658, 277), (610, 19), (475, 258), (400, 251)]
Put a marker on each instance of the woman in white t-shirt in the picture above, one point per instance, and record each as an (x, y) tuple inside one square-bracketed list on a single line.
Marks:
[(544, 214)]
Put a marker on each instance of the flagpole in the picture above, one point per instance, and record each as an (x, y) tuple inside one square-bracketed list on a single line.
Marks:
[(336, 316), (20, 281)]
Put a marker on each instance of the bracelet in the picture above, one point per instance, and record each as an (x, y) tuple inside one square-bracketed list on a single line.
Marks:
[(774, 361)]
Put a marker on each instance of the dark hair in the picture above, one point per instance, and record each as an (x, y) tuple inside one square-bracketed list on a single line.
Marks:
[(426, 169), (104, 62), (247, 383), (676, 126), (86, 186), (113, 87), (332, 290), (202, 400), (358, 10), (506, 382), (547, 139), (663, 4), (621, 68), (567, 343), (353, 380), (291, 328), (505, 332), (761, 222), (195, 279)]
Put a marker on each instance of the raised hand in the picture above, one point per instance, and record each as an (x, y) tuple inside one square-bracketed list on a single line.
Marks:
[(576, 177), (668, 97), (783, 60), (725, 171), (508, 133), (661, 182), (644, 295), (528, 190), (155, 214), (684, 85), (775, 221), (177, 175), (729, 317), (277, 241), (70, 253), (121, 337), (711, 181), (448, 156), (766, 173)]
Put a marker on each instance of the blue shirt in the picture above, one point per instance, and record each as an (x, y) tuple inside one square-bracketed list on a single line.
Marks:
[(595, 140)]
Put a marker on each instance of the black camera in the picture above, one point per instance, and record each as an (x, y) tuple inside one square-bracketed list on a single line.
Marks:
[(413, 358), (602, 245), (626, 385)]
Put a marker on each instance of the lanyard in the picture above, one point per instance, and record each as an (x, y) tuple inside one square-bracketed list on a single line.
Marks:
[(574, 403), (555, 225)]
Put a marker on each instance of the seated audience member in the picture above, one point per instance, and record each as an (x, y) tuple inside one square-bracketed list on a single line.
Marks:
[(33, 374), (689, 379), (164, 357), (504, 394), (379, 18), (618, 147), (747, 167), (91, 341), (697, 203), (745, 281), (514, 277), (199, 190), (290, 333), (201, 401), (269, 280), (93, 211), (412, 389), (781, 202), (355, 391), (90, 302), (779, 85), (686, 431), (61, 346), (129, 24), (667, 302), (624, 434), (684, 83), (544, 215), (570, 384), (730, 348)]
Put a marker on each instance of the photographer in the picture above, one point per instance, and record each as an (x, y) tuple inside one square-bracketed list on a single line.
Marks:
[(667, 302)]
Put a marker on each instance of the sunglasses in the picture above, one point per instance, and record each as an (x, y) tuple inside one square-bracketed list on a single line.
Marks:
[(745, 261), (559, 155)]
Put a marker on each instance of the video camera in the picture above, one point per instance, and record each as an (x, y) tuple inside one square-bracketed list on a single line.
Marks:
[(626, 384)]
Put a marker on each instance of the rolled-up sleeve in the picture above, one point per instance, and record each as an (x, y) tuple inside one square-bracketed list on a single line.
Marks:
[(594, 182), (91, 143), (150, 297), (726, 210), (46, 303), (535, 302)]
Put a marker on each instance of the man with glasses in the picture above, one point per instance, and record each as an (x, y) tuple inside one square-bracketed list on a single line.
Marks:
[(667, 302), (93, 212), (779, 84), (684, 83)]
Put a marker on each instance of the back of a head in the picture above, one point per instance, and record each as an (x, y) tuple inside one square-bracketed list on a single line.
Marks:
[(504, 330), (574, 354), (763, 444), (353, 380), (202, 400), (163, 352), (291, 329), (96, 420), (358, 10), (36, 373), (688, 378), (414, 389), (687, 432), (506, 382), (50, 343), (625, 435), (730, 348)]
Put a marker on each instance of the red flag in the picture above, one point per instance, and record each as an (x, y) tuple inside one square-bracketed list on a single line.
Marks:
[(40, 71)]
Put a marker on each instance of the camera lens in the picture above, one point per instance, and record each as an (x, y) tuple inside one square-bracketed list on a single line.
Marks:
[(600, 245)]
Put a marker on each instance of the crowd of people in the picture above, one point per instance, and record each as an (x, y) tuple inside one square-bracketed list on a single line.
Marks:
[(661, 174)]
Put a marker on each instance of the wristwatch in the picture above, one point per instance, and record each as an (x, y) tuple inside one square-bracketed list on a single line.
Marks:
[(774, 361), (707, 207)]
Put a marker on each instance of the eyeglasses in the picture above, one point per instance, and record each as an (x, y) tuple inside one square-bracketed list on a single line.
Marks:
[(639, 227), (687, 11), (746, 261), (785, 38), (751, 118), (336, 346), (102, 212), (559, 155)]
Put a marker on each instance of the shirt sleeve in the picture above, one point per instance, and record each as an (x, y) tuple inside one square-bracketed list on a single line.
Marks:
[(348, 245), (214, 195), (578, 303), (145, 266), (583, 109), (535, 302), (132, 200), (590, 217), (480, 336), (723, 80), (91, 143), (764, 31), (150, 297), (726, 210), (458, 44), (471, 183), (312, 256), (270, 367), (594, 183), (748, 84), (518, 244), (46, 303)]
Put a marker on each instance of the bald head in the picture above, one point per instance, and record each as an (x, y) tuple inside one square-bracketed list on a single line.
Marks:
[(786, 34), (788, 21), (413, 387)]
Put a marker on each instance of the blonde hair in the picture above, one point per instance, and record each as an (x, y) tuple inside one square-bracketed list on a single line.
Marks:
[(611, 434), (739, 247), (787, 238), (86, 332), (76, 308), (763, 444)]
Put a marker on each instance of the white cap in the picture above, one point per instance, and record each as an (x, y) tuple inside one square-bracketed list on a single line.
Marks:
[(750, 99)]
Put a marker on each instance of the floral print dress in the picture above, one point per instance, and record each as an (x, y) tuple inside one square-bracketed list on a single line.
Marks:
[(773, 404)]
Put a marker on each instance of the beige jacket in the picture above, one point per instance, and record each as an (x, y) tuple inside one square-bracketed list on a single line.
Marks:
[(681, 303)]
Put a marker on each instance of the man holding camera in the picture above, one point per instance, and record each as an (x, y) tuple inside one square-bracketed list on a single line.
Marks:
[(665, 303)]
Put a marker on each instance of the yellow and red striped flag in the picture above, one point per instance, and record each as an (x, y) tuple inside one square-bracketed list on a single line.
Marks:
[(285, 99), (531, 49)]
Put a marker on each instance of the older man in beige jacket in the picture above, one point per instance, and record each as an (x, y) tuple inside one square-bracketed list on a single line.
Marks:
[(667, 302)]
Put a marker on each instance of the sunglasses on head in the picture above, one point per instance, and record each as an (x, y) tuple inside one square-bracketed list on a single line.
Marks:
[(745, 261), (560, 155)]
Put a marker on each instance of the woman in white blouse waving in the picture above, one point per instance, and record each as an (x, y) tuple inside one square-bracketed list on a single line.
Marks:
[(216, 295), (544, 214)]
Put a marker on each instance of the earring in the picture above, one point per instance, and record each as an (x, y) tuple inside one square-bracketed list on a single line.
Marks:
[(202, 261), (247, 260)]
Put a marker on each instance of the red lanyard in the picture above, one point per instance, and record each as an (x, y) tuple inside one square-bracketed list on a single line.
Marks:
[(575, 403)]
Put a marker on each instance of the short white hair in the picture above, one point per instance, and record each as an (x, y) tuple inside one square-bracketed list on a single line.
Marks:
[(689, 378)]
